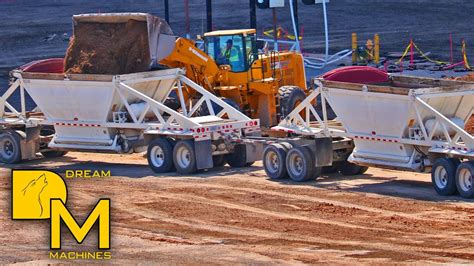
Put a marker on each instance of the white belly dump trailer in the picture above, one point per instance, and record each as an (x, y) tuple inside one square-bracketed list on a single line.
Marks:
[(406, 123), (123, 114)]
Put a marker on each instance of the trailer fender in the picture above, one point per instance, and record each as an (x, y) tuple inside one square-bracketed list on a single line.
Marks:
[(29, 143), (322, 152), (253, 152), (203, 151)]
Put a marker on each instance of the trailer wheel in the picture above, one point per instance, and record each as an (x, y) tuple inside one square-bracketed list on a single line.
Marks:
[(53, 154), (443, 176), (10, 147), (290, 97), (218, 160), (238, 158), (160, 155), (274, 161), (184, 157), (465, 179), (300, 164), (346, 168)]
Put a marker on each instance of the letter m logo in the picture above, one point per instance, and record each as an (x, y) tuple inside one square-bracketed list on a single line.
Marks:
[(100, 213)]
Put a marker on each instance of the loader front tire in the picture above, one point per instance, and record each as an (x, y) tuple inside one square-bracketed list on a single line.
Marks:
[(238, 158), (290, 97)]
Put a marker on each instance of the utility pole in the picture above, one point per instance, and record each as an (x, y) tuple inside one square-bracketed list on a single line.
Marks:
[(186, 13), (209, 15), (275, 32), (253, 15), (167, 11), (295, 10)]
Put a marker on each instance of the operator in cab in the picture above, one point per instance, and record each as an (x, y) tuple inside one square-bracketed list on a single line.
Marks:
[(232, 56)]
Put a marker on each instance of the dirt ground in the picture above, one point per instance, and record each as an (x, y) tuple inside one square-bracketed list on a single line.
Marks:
[(239, 216)]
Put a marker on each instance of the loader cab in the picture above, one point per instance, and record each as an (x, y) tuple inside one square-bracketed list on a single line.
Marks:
[(237, 48)]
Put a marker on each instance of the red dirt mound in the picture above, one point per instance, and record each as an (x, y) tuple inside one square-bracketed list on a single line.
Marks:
[(106, 48), (469, 77), (470, 125)]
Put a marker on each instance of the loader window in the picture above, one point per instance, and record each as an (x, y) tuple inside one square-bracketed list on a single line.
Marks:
[(228, 50), (251, 49)]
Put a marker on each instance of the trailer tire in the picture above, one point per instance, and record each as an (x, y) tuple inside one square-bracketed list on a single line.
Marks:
[(274, 161), (218, 160), (443, 177), (10, 147), (184, 157), (346, 168), (465, 179), (290, 97), (300, 164), (53, 154), (238, 158), (160, 155)]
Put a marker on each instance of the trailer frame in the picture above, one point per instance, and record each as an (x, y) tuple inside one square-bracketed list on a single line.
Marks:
[(154, 120), (452, 146)]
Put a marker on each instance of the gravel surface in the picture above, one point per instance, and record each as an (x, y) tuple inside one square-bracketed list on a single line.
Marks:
[(229, 215)]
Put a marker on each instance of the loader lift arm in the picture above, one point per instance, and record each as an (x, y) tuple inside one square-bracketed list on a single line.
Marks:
[(201, 68)]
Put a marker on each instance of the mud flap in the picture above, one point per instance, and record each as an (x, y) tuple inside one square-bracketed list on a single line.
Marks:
[(322, 152), (203, 152), (253, 152), (29, 143)]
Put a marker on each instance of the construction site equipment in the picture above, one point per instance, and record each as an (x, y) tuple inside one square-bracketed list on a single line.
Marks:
[(369, 52), (407, 123), (266, 86), (117, 43), (122, 114)]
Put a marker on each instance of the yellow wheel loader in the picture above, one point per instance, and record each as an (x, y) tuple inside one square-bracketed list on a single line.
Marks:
[(264, 85)]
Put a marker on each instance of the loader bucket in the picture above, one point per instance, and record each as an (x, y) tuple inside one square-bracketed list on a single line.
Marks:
[(117, 43)]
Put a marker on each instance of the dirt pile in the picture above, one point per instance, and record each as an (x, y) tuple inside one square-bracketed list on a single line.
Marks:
[(108, 48), (470, 125), (469, 77)]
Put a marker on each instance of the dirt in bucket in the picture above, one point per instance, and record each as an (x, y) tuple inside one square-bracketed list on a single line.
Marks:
[(106, 48), (470, 125)]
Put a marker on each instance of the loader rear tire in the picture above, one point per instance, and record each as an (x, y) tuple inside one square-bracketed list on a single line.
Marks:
[(290, 97), (172, 101), (53, 154), (10, 147), (238, 158), (218, 160), (346, 168)]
